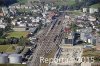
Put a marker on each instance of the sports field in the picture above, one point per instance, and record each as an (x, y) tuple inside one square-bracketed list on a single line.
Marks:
[(17, 34), (7, 48)]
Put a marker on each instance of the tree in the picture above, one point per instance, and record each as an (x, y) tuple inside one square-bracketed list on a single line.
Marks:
[(22, 41), (1, 32), (8, 21), (7, 2), (73, 27)]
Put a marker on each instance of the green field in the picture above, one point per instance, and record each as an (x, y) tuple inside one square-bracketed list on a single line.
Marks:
[(17, 34), (70, 2), (66, 2), (91, 53), (1, 39), (7, 48), (77, 12), (22, 1), (24, 10)]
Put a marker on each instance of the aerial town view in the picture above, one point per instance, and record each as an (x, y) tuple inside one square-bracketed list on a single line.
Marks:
[(49, 32)]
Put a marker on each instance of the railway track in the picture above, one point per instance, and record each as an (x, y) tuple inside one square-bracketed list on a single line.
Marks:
[(46, 43)]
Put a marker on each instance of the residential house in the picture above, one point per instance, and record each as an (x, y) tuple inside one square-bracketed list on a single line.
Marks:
[(5, 10), (87, 36), (3, 25), (19, 28), (93, 10), (91, 18), (85, 10)]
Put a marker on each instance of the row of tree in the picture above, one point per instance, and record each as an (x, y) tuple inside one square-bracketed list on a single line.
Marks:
[(3, 31), (20, 41)]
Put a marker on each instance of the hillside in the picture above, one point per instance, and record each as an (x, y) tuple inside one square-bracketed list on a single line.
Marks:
[(66, 2), (73, 4), (95, 5)]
